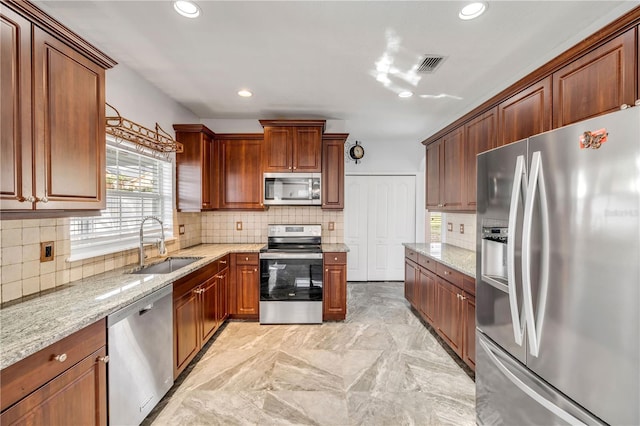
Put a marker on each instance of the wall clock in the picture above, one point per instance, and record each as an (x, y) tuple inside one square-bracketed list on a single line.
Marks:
[(355, 152)]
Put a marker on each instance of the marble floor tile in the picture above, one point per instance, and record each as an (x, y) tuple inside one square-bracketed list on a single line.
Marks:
[(381, 366)]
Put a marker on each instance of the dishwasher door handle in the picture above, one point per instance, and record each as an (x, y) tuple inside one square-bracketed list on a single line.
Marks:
[(145, 309)]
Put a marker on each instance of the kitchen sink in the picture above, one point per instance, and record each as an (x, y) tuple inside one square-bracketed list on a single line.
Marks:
[(167, 266)]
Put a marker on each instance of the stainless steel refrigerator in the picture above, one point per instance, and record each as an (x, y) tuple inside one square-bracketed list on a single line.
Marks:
[(558, 276)]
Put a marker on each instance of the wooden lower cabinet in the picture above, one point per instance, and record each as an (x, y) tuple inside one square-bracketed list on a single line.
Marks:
[(334, 303), (197, 311), (427, 285), (469, 337), (446, 300), (73, 391), (449, 315), (245, 286)]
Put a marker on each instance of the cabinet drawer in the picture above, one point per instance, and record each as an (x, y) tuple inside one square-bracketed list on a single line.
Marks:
[(222, 263), (449, 274), (186, 284), (335, 258), (246, 258), (427, 262), (411, 255), (469, 285), (22, 378)]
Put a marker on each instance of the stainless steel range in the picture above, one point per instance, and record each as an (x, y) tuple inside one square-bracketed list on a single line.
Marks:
[(291, 275)]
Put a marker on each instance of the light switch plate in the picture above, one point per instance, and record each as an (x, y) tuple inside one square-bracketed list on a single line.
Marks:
[(449, 226), (181, 229), (332, 226), (238, 226), (462, 228)]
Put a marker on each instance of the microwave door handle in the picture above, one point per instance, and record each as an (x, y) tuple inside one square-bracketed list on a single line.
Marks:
[(535, 322), (519, 181)]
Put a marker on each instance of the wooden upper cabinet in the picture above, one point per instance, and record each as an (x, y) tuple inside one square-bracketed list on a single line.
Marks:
[(15, 107), (197, 169), (597, 83), (307, 149), (53, 115), (292, 146), (240, 171), (452, 184), (277, 149), (333, 170), (479, 136), (433, 175), (638, 65), (526, 113)]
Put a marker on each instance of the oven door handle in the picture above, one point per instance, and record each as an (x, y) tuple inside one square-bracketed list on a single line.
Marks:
[(291, 256)]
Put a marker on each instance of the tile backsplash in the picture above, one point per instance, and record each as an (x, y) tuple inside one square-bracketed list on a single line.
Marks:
[(221, 227), (454, 237), (22, 273)]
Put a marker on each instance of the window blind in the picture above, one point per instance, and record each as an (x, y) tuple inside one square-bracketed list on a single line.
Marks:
[(137, 186)]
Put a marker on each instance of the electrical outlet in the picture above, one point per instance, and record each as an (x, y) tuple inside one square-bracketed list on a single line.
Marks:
[(181, 229), (332, 226), (449, 226), (238, 226), (462, 228), (46, 251)]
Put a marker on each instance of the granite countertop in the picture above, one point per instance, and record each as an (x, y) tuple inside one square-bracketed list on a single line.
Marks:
[(460, 259), (32, 325), (332, 248)]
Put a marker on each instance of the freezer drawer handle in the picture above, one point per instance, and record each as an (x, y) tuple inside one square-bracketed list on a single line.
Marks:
[(526, 389), (519, 187), (535, 322)]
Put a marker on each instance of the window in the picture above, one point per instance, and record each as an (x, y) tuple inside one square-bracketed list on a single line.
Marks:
[(138, 185)]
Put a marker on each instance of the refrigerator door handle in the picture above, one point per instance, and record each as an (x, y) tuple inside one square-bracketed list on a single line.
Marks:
[(535, 322), (519, 184), (528, 390)]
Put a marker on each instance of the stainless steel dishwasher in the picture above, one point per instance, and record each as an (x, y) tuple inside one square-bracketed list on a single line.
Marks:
[(140, 346)]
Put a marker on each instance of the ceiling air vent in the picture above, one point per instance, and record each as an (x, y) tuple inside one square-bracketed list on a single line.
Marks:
[(430, 64)]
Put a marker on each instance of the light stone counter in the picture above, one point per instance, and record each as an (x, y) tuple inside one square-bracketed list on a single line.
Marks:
[(34, 324), (334, 248), (460, 259)]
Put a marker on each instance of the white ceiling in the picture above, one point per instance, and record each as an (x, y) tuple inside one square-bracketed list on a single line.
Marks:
[(310, 59)]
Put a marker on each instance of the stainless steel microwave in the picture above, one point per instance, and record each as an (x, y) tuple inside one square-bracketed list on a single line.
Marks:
[(299, 189)]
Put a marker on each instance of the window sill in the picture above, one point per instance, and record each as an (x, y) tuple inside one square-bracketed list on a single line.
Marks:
[(103, 251)]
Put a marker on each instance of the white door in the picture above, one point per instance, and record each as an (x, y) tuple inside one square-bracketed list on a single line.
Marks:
[(379, 217), (355, 226)]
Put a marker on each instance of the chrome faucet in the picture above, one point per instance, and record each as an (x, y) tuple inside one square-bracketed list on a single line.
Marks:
[(162, 250)]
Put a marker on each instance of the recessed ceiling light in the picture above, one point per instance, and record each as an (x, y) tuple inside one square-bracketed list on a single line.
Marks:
[(472, 10), (186, 8), (245, 93), (405, 94)]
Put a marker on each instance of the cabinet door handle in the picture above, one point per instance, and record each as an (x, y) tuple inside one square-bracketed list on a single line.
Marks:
[(103, 359), (326, 270), (60, 358), (29, 199), (43, 200), (294, 168), (255, 269)]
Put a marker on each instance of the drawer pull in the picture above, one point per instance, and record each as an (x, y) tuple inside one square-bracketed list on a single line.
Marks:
[(246, 258), (60, 358), (446, 272), (335, 258), (104, 359), (224, 262)]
